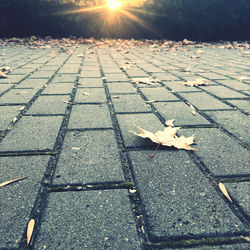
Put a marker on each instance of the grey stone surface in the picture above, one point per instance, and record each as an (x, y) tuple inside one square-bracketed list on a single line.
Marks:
[(238, 191), (17, 199), (98, 220), (234, 121), (18, 96), (4, 87), (235, 84), (221, 154), (92, 73), (158, 94), (127, 122), (178, 198), (32, 133), (204, 101), (58, 88), (241, 104), (181, 112), (120, 87), (32, 83), (90, 82), (69, 69), (90, 95), (90, 116), (49, 105), (64, 78), (42, 74), (116, 78), (178, 86), (7, 114), (223, 92), (129, 103), (12, 79), (166, 77), (213, 76), (90, 156)]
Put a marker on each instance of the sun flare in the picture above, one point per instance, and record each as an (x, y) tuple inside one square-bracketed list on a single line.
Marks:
[(114, 4)]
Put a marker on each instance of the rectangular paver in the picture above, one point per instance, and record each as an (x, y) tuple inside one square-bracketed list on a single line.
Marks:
[(32, 133), (90, 156)]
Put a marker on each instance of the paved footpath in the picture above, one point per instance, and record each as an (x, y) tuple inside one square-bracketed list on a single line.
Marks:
[(65, 117)]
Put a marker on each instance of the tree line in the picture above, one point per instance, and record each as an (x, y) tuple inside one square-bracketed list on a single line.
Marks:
[(157, 19)]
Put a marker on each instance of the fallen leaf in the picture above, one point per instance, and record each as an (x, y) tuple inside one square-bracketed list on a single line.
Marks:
[(14, 119), (132, 191), (3, 75), (167, 137), (200, 51), (197, 82), (11, 181), (85, 93), (22, 108), (224, 191), (170, 123), (30, 230), (148, 81)]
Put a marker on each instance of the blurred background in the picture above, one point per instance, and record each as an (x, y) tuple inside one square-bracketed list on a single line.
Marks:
[(203, 20)]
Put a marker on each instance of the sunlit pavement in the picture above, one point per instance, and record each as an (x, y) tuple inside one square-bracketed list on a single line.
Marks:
[(65, 121)]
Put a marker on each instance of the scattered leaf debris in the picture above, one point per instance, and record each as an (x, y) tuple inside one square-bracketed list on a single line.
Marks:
[(224, 191), (197, 82), (147, 81)]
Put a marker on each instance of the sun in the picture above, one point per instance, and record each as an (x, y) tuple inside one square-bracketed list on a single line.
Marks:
[(114, 4)]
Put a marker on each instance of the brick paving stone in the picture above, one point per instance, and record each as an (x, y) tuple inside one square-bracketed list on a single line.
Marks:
[(58, 88), (7, 113), (241, 104), (221, 154), (129, 103), (97, 220), (32, 83), (202, 100), (116, 78), (49, 68), (90, 73), (49, 105), (21, 71), (90, 116), (12, 79), (118, 87), (32, 133), (158, 94), (95, 160), (178, 199), (136, 73), (18, 96), (178, 86), (127, 122), (166, 77), (234, 121), (69, 69), (237, 191), (181, 112), (18, 198), (223, 92), (4, 87), (42, 74), (213, 76), (64, 78), (89, 95), (90, 82), (235, 84)]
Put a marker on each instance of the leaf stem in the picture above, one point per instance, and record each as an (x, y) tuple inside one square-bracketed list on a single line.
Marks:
[(152, 155)]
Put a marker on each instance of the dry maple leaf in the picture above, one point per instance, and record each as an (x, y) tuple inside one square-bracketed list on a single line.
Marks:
[(167, 137), (198, 82), (3, 74), (148, 81)]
